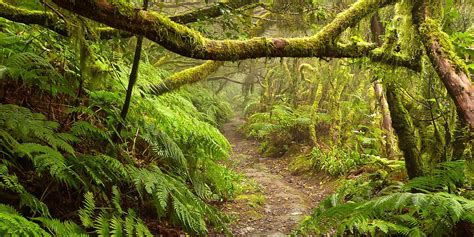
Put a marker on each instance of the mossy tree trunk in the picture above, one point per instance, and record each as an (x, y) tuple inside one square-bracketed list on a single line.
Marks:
[(55, 23), (450, 68), (405, 130)]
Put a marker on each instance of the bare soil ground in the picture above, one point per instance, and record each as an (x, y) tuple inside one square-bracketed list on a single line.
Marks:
[(274, 201)]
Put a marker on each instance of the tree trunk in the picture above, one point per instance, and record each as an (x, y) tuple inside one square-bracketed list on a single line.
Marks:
[(377, 31), (450, 68), (403, 125), (386, 120), (133, 78)]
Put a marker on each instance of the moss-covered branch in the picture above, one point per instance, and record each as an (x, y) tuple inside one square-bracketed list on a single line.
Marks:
[(449, 67), (46, 19), (201, 72), (185, 77), (190, 43), (54, 23)]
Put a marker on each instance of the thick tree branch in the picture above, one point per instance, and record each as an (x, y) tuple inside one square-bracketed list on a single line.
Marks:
[(222, 50), (43, 18), (54, 23), (190, 43), (201, 72), (449, 67)]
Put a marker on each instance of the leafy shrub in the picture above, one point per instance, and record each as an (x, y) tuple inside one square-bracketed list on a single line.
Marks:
[(278, 128), (336, 161)]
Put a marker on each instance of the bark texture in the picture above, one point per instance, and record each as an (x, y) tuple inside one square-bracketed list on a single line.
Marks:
[(449, 67), (377, 32)]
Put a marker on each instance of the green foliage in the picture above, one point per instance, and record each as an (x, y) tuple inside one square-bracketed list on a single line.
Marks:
[(396, 213), (14, 224), (36, 70), (169, 142), (462, 42), (169, 193), (367, 208), (337, 161), (277, 128), (9, 182)]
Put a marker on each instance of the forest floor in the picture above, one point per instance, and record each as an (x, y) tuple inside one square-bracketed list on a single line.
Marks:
[(273, 200)]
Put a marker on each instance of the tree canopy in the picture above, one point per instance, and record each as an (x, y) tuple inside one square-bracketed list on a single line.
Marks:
[(145, 117)]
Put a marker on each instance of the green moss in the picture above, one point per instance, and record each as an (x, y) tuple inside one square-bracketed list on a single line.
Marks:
[(252, 214), (301, 164), (405, 130), (253, 200), (188, 76), (26, 16), (430, 31)]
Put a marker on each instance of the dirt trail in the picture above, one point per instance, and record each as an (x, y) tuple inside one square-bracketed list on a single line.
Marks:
[(274, 201)]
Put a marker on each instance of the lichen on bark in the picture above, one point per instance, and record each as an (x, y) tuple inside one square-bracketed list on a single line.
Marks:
[(186, 77)]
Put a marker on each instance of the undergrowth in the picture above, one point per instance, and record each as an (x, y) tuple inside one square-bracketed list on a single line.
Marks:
[(66, 170), (373, 204)]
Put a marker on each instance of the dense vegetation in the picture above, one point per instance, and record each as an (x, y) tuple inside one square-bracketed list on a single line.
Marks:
[(109, 118)]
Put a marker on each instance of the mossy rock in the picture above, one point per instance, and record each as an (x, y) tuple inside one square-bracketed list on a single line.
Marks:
[(301, 164)]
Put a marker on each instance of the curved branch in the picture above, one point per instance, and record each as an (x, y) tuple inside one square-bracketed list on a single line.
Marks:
[(190, 43), (46, 19), (188, 76), (56, 24)]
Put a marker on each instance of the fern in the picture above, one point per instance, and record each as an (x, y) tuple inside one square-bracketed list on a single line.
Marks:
[(397, 213), (87, 130), (47, 159), (111, 223), (13, 224), (446, 177), (116, 200), (186, 208), (10, 182), (58, 228), (164, 148), (36, 70), (87, 212)]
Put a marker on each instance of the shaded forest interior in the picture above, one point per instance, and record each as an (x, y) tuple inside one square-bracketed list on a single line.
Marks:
[(236, 117)]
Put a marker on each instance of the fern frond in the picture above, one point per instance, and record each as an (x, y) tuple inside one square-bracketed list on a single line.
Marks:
[(13, 224), (116, 200), (45, 158), (87, 130), (396, 213), (101, 224), (58, 228), (446, 177), (87, 212)]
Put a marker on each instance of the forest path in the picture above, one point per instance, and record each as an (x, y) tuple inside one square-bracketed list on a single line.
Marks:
[(273, 201)]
